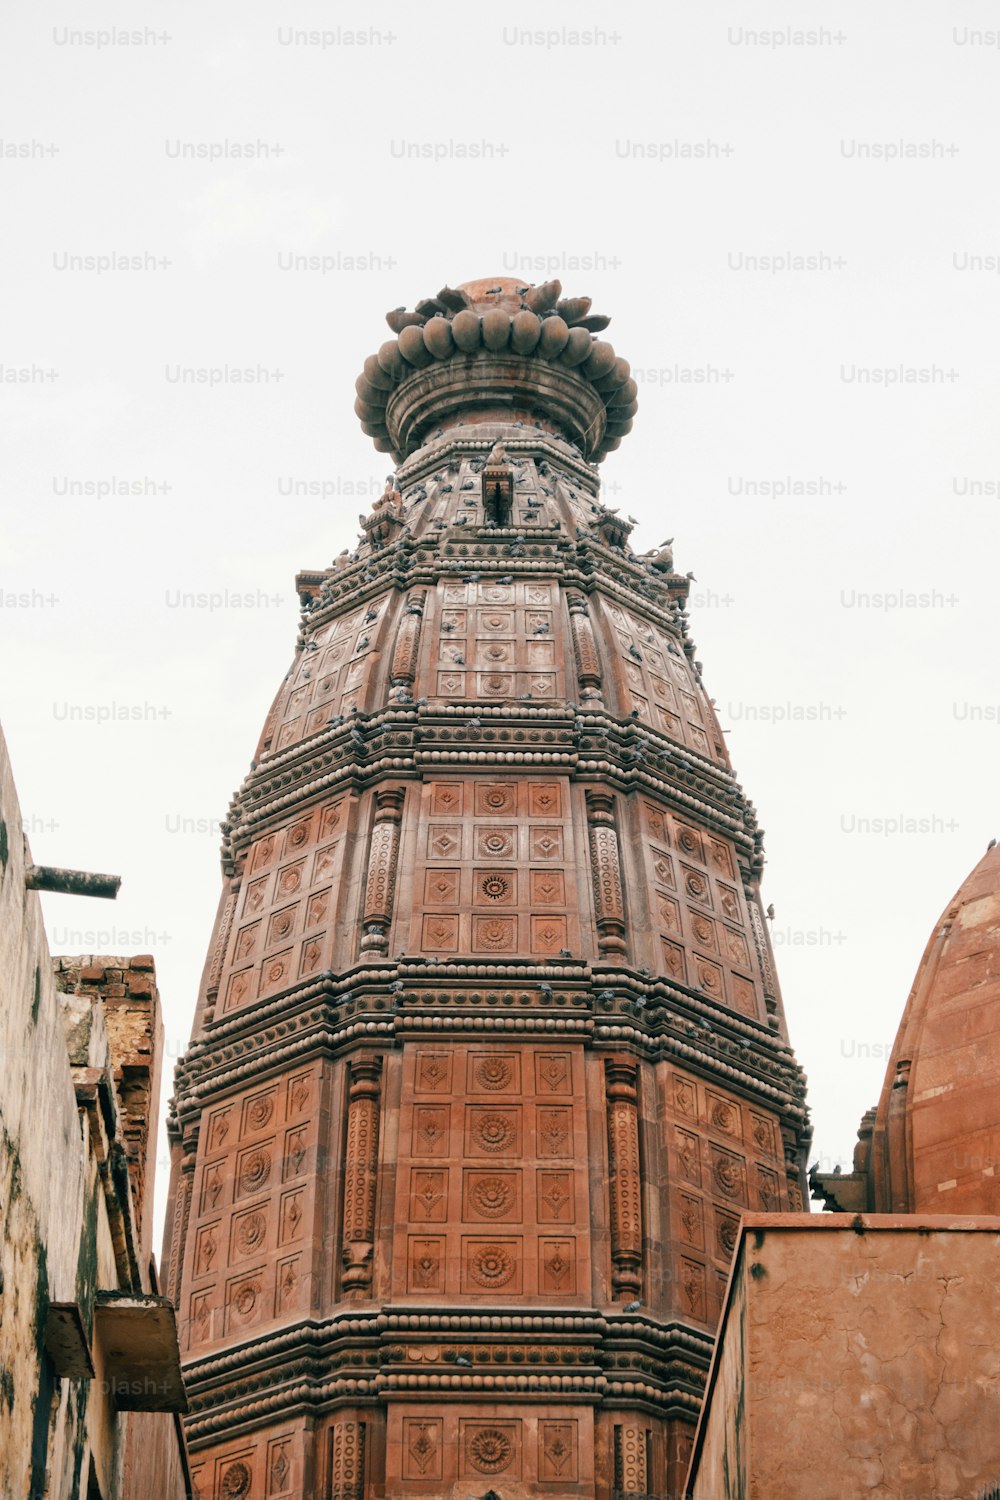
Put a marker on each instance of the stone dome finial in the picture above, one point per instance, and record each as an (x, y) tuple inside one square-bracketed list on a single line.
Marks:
[(491, 349)]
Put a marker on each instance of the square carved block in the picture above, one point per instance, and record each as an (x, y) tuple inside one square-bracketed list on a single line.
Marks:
[(249, 1232), (492, 1130), (428, 1196), (545, 799), (554, 1131), (491, 622), (495, 799), (245, 1300), (496, 843), (433, 1073), (494, 1073), (494, 888), (277, 970), (326, 860), (206, 1250), (439, 933), (258, 1112), (729, 1175), (545, 843), (425, 1263), (247, 942), (724, 1115), (547, 887), (430, 1130), (441, 887), (447, 798), (692, 1221), (492, 1266), (288, 1284), (255, 1169), (553, 1072), (213, 1186), (494, 934), (423, 1448), (291, 1215), (558, 1449), (444, 841), (489, 1450), (555, 1203), (557, 1267), (548, 934), (494, 1196), (296, 1154)]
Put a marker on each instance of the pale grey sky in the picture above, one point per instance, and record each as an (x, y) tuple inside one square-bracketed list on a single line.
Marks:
[(790, 212)]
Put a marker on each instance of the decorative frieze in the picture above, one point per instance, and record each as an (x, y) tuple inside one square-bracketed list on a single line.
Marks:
[(361, 1174)]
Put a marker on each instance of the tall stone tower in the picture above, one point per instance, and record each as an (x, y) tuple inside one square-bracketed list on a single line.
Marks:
[(489, 1054)]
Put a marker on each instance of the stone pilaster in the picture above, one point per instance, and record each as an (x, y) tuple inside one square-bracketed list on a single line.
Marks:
[(609, 904), (624, 1178), (361, 1175)]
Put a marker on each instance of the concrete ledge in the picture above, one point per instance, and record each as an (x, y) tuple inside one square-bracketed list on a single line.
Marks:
[(138, 1337)]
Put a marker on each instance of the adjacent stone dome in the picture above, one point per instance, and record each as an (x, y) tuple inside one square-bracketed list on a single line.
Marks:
[(501, 350)]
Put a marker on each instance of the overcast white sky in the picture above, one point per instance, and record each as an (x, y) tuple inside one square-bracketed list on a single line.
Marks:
[(650, 162)]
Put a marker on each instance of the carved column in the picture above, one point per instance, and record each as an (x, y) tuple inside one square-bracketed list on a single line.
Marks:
[(361, 1175), (762, 946), (625, 1184), (588, 662), (609, 905), (347, 1461), (381, 884), (631, 1461), (405, 654)]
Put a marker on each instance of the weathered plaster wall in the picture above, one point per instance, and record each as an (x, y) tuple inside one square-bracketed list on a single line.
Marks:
[(870, 1359), (55, 1230), (723, 1462)]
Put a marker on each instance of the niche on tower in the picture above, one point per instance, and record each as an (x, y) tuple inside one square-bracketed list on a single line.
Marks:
[(498, 488)]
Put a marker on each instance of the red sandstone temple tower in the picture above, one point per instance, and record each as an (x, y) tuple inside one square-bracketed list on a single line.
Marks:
[(489, 1054)]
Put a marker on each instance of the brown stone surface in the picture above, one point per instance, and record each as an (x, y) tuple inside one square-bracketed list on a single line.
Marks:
[(489, 1054), (856, 1356), (932, 1145)]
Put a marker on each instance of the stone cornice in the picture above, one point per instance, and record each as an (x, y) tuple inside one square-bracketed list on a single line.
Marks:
[(408, 742), (601, 1008), (412, 1354)]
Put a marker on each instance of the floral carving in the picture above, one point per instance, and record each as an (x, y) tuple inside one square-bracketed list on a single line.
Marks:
[(492, 1265), (255, 1171), (259, 1111), (493, 1073), (491, 1450), (252, 1231), (494, 1132), (492, 1196), (235, 1482)]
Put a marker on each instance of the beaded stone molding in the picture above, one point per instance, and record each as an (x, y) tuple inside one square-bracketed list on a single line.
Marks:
[(500, 349)]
